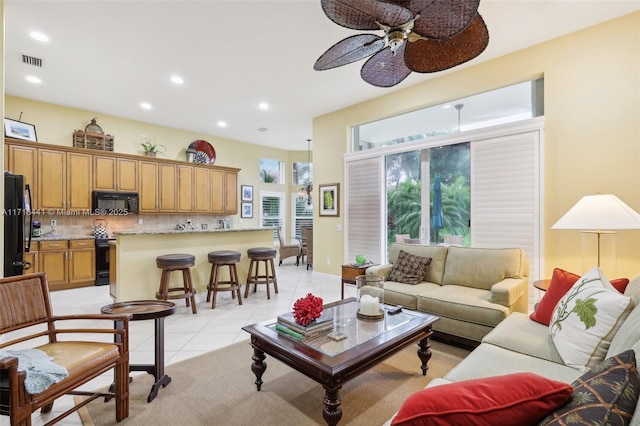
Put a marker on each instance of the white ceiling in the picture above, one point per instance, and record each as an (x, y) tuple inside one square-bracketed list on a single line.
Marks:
[(109, 56)]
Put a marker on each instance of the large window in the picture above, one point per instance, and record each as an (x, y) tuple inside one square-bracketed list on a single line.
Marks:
[(271, 171)]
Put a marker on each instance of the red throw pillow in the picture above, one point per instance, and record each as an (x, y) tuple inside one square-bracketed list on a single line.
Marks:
[(561, 282), (520, 399)]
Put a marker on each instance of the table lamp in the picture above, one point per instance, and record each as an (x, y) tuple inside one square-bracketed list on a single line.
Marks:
[(599, 214)]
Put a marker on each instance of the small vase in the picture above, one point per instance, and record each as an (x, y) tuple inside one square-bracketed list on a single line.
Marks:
[(150, 153)]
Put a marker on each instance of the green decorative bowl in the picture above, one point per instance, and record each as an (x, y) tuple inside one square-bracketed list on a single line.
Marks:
[(361, 259)]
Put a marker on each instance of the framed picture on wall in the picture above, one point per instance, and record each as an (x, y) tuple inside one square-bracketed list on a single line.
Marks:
[(19, 130), (247, 210), (329, 199), (247, 192)]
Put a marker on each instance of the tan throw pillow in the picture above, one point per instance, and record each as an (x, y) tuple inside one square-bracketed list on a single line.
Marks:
[(409, 269)]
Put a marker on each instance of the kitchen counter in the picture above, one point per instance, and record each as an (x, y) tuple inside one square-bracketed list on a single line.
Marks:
[(138, 278), (58, 237)]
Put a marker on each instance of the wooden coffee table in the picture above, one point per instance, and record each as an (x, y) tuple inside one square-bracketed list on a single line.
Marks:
[(333, 362)]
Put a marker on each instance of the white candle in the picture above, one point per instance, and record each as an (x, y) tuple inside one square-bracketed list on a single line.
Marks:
[(369, 305)]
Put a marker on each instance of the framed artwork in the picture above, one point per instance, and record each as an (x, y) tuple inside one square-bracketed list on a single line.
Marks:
[(247, 210), (19, 130), (247, 192), (329, 199)]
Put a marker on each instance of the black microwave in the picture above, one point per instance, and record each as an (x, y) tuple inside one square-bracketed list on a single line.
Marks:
[(115, 203)]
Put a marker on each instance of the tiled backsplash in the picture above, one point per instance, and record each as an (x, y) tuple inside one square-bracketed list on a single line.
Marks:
[(83, 225)]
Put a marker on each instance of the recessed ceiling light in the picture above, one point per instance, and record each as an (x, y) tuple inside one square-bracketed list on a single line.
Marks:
[(145, 105), (263, 106), (33, 79), (446, 106), (176, 79), (222, 123), (37, 35)]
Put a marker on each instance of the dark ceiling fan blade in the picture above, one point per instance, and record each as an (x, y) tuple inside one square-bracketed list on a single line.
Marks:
[(363, 14), (444, 19), (384, 69), (416, 6), (437, 55), (349, 50)]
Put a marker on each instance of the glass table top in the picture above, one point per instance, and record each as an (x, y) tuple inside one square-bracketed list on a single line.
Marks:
[(347, 330)]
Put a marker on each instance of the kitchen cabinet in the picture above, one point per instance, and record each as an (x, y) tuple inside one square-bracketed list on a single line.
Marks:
[(167, 187), (202, 190), (111, 173), (82, 261), (32, 258), (23, 160), (186, 189), (148, 185), (64, 180), (68, 263)]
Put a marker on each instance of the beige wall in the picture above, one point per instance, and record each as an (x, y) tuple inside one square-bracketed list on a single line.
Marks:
[(592, 131)]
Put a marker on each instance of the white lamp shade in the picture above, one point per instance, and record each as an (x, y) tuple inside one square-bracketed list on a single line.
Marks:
[(601, 212)]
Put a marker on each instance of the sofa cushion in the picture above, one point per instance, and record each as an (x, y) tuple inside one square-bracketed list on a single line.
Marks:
[(405, 294), (482, 267), (410, 268), (561, 282), (468, 304), (587, 318), (438, 254), (522, 398), (519, 334), (606, 395)]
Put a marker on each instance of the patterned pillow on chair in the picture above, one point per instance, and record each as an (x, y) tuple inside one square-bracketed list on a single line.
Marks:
[(409, 269)]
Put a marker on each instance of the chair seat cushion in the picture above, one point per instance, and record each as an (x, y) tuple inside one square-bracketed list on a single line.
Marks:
[(179, 259), (261, 252), (224, 256)]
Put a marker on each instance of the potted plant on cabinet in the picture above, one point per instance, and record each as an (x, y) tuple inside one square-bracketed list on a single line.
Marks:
[(150, 147)]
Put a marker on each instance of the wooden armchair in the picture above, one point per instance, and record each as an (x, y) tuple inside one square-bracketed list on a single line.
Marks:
[(288, 250), (25, 307)]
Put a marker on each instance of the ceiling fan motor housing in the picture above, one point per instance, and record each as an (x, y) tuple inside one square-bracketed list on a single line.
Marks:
[(396, 38)]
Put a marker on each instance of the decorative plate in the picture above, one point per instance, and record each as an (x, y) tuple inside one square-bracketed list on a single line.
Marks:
[(205, 154)]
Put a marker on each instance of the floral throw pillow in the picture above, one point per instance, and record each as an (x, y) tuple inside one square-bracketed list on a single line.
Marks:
[(409, 269), (606, 395), (586, 318)]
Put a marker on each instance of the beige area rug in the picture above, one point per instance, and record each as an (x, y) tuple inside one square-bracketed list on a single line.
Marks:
[(218, 388)]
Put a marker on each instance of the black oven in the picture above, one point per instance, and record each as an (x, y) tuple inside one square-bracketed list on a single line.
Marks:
[(102, 260)]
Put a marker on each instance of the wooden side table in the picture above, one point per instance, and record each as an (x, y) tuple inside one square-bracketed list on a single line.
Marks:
[(144, 310), (542, 284), (350, 271)]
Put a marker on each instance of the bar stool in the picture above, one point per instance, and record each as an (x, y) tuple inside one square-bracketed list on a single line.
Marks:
[(177, 262), (257, 255), (218, 259)]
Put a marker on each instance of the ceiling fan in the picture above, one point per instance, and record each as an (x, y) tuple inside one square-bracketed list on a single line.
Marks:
[(419, 35)]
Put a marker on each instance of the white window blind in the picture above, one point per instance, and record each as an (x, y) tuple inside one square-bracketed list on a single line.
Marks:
[(505, 194), (272, 212), (302, 215), (364, 218)]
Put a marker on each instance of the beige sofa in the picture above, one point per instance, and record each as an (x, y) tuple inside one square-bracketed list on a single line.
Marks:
[(471, 289), (519, 344)]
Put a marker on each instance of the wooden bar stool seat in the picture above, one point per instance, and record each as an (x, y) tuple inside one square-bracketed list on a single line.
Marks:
[(218, 259), (177, 262), (265, 255)]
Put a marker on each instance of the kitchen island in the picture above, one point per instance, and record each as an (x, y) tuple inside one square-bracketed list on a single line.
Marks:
[(138, 278)]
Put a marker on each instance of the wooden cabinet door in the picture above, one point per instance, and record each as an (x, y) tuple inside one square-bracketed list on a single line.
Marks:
[(230, 193), (201, 190), (127, 173), (82, 261), (53, 262), (185, 189), (104, 173), (32, 258), (167, 187), (148, 178), (216, 190), (79, 167), (23, 160), (52, 167)]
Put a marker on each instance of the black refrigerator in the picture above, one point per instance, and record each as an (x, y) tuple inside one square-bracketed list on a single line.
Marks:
[(17, 224)]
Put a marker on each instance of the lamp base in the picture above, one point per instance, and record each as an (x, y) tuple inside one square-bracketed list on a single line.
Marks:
[(599, 248)]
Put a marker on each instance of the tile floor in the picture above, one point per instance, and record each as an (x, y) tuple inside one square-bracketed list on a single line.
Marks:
[(188, 335)]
